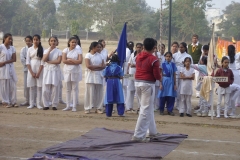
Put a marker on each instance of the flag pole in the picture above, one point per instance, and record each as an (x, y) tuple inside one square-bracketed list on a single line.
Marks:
[(212, 92)]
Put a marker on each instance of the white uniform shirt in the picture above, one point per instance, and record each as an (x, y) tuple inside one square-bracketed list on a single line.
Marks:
[(23, 57), (186, 84), (72, 72), (104, 54), (52, 72), (94, 76), (178, 59), (237, 61), (7, 70), (35, 62), (132, 60)]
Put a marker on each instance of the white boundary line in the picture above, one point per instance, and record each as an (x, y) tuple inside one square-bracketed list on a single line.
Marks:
[(206, 140), (13, 157), (34, 127), (205, 153), (31, 140)]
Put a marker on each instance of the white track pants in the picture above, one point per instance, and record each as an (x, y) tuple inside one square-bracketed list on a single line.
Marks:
[(146, 121), (72, 89), (185, 104), (34, 96), (26, 89)]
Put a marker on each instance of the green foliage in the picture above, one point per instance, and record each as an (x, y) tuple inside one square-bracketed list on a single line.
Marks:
[(44, 34), (74, 28), (230, 24)]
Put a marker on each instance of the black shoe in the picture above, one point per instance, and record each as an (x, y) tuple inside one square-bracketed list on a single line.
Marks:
[(161, 113), (181, 115), (171, 114), (54, 108), (46, 108), (189, 115)]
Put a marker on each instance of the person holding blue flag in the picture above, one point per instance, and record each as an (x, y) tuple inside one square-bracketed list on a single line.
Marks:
[(114, 93)]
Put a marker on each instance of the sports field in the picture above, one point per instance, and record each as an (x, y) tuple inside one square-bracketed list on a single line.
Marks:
[(24, 131)]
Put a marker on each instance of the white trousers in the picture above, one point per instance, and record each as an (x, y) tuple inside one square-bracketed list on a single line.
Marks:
[(125, 93), (185, 104), (156, 99), (227, 101), (50, 94), (146, 121), (178, 98), (8, 91), (196, 79), (60, 87), (130, 100), (26, 89), (72, 89), (204, 105), (34, 96), (93, 96)]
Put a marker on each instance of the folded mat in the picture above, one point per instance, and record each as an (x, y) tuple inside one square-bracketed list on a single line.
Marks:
[(106, 144)]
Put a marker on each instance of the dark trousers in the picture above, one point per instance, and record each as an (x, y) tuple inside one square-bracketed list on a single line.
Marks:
[(169, 101), (109, 109)]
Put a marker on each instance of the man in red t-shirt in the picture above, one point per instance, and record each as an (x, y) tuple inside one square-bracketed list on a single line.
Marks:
[(147, 72)]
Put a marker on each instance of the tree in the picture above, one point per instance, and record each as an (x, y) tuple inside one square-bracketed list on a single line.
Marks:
[(188, 17), (7, 12), (231, 22), (77, 11)]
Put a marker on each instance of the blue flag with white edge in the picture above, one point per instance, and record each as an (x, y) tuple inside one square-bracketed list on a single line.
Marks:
[(122, 45)]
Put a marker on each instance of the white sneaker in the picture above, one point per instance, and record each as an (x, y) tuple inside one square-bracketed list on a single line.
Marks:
[(67, 109), (153, 136), (218, 116), (24, 104), (196, 111), (210, 113), (197, 95), (142, 140), (199, 114), (74, 110), (30, 107), (39, 107)]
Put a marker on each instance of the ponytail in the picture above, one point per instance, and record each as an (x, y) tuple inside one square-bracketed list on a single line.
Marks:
[(40, 50)]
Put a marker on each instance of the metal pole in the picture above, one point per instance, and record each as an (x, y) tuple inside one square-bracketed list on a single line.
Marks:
[(170, 25), (160, 23)]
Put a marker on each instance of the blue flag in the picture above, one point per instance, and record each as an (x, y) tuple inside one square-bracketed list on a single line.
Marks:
[(122, 45)]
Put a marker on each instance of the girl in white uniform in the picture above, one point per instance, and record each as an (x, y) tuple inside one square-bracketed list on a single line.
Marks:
[(72, 70), (157, 83), (93, 79), (51, 75), (8, 78), (187, 74), (178, 59), (131, 86), (23, 57), (35, 71)]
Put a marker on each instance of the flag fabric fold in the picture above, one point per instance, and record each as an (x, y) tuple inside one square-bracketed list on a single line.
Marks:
[(211, 55), (122, 44)]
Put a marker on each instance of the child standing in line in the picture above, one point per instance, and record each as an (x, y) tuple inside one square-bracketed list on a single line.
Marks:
[(23, 57), (131, 86), (224, 89), (35, 73), (187, 74), (168, 88), (51, 75), (114, 93), (8, 77), (72, 70)]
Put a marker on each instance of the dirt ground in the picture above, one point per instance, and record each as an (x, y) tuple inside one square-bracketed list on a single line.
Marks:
[(24, 131)]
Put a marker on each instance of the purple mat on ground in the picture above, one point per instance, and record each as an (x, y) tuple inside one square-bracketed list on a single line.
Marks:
[(105, 144)]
